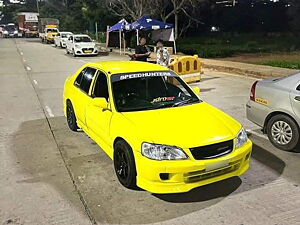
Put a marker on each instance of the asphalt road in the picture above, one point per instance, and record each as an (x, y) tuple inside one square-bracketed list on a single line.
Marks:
[(50, 175)]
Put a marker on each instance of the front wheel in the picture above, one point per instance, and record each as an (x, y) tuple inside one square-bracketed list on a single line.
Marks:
[(67, 52), (283, 132), (71, 118), (124, 164)]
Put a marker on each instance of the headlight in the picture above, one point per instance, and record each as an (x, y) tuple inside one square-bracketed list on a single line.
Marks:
[(162, 152), (241, 138), (5, 32), (15, 32), (77, 46)]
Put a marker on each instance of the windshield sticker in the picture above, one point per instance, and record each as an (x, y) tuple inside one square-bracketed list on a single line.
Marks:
[(162, 99), (118, 77)]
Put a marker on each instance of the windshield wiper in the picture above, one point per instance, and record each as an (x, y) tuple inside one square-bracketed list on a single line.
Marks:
[(183, 102)]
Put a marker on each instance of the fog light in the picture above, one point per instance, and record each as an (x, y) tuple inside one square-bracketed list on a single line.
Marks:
[(164, 176)]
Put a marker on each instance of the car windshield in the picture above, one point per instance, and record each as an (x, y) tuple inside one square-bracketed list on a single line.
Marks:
[(53, 30), (82, 39), (65, 35), (150, 90)]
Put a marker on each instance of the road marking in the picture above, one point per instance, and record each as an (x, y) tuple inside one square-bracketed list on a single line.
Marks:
[(257, 134), (82, 61), (28, 68), (49, 111), (35, 82)]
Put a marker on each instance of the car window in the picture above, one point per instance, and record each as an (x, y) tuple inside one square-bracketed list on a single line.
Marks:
[(298, 88), (58, 34), (101, 87), (70, 38), (82, 39), (150, 90), (84, 79)]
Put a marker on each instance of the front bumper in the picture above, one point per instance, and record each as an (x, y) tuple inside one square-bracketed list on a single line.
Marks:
[(184, 175), (94, 51)]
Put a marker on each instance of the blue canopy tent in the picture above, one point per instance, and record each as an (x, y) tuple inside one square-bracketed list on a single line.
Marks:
[(148, 23), (118, 27)]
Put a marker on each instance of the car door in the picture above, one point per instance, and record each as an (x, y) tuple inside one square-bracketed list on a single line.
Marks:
[(98, 119), (295, 99), (82, 93)]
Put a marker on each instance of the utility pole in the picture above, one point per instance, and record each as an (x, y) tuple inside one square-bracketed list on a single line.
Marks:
[(37, 6)]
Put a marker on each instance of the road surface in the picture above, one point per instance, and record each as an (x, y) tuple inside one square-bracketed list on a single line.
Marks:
[(50, 175)]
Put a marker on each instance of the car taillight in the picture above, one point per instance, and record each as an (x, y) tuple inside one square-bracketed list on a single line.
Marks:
[(252, 92)]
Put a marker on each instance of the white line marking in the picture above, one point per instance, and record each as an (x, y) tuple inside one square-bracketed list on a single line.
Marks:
[(257, 134), (21, 53), (49, 111), (28, 68), (35, 82)]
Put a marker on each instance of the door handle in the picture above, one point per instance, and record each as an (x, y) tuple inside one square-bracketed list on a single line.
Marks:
[(297, 98)]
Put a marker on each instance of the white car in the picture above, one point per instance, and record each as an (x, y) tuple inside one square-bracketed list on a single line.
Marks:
[(61, 38), (81, 44)]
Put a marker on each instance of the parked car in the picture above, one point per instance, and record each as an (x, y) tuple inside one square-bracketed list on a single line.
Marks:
[(274, 105), (61, 38), (81, 44), (10, 30), (161, 136)]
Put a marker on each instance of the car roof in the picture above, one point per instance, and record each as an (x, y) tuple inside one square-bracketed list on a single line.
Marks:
[(114, 67), (80, 35), (65, 32), (289, 81)]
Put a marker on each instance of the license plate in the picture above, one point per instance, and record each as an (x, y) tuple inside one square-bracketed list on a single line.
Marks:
[(88, 51), (217, 165)]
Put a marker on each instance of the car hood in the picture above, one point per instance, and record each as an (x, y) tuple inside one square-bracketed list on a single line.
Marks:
[(186, 126), (86, 44)]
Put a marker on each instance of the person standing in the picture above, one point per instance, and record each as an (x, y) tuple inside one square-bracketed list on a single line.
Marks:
[(162, 54), (141, 51)]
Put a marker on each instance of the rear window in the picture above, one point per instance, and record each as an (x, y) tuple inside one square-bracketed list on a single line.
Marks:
[(84, 79)]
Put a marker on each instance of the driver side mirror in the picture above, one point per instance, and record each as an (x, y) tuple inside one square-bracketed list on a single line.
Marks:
[(196, 90), (100, 103)]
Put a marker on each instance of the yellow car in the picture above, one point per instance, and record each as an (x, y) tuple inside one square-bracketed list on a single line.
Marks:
[(160, 135)]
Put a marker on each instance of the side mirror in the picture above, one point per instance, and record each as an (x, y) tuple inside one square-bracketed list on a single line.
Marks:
[(196, 90), (100, 102)]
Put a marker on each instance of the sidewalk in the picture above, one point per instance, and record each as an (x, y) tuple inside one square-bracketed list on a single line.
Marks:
[(259, 71)]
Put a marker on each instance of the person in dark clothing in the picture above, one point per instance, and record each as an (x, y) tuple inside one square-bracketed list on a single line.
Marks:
[(141, 51)]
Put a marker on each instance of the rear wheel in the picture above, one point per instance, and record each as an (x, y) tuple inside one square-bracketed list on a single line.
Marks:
[(73, 52), (124, 164), (71, 118), (283, 132)]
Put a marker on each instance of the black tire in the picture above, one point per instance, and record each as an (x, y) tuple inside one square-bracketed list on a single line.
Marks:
[(55, 45), (67, 51), (283, 123), (124, 164), (61, 45), (71, 118)]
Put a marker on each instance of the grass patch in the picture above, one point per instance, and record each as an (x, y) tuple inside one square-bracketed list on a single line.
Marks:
[(226, 45), (283, 64)]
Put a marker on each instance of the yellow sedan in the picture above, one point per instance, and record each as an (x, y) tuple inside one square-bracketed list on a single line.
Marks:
[(160, 135)]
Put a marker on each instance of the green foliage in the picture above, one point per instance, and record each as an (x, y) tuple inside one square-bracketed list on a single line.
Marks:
[(225, 45), (283, 64)]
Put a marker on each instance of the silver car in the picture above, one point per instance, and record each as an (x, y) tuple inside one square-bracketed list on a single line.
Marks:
[(274, 105)]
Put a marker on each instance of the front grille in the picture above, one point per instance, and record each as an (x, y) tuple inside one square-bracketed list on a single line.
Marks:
[(200, 175), (212, 151), (87, 49)]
